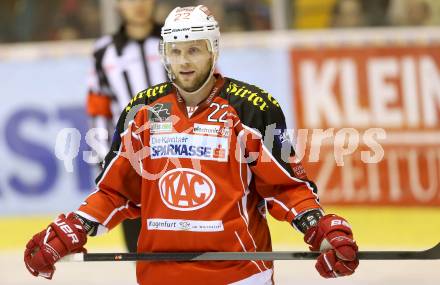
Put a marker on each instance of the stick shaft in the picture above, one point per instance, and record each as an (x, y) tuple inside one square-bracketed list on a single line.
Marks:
[(430, 254)]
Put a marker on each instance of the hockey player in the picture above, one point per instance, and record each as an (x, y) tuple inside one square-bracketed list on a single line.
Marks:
[(124, 64), (195, 160)]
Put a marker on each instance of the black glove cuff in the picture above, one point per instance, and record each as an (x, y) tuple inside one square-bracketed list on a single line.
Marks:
[(306, 220), (90, 227)]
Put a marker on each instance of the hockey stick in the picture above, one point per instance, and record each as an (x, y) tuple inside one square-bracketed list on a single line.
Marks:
[(429, 254)]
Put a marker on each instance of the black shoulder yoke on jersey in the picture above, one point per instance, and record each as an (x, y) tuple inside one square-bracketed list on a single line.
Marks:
[(255, 107), (143, 98), (258, 109)]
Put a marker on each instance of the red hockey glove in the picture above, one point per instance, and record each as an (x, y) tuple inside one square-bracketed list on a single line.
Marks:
[(334, 238), (64, 236)]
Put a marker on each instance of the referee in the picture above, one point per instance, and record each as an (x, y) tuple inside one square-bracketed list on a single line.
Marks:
[(124, 64)]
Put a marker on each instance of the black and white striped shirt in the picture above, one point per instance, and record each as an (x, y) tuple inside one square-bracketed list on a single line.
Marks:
[(122, 68)]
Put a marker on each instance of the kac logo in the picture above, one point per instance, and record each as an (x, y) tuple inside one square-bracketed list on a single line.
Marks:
[(185, 189)]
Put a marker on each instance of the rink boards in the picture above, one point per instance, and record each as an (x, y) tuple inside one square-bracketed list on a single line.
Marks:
[(374, 228)]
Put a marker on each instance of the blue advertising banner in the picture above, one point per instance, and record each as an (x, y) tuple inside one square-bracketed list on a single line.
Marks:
[(40, 98)]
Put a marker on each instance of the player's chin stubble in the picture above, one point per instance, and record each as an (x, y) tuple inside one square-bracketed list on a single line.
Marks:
[(195, 84)]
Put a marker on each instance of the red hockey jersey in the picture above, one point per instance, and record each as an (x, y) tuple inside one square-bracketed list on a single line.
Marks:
[(201, 183)]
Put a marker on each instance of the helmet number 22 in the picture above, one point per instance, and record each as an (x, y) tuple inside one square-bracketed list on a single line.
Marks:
[(182, 16)]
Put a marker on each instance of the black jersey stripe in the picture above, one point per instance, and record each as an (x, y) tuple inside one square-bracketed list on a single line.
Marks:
[(127, 83), (144, 62)]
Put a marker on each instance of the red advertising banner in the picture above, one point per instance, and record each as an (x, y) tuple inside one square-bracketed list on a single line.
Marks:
[(372, 117)]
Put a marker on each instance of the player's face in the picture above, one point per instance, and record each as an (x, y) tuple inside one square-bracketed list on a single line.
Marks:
[(190, 62), (136, 12)]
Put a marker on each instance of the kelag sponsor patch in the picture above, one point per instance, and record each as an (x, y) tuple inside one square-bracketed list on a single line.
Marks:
[(189, 146), (162, 127)]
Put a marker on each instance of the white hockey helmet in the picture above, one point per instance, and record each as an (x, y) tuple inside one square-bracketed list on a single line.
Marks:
[(190, 24)]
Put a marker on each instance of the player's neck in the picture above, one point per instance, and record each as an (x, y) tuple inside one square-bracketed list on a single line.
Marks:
[(138, 32), (193, 99)]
